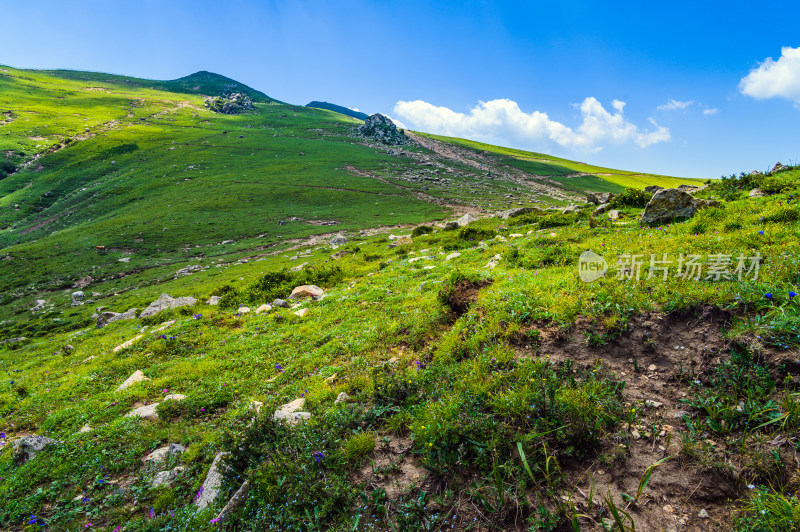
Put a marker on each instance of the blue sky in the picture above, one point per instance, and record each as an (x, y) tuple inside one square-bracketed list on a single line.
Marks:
[(543, 76)]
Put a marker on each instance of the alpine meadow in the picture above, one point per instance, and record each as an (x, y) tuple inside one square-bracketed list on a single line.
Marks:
[(220, 311)]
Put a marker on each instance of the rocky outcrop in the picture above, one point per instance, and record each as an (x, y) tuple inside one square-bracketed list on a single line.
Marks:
[(137, 376), (77, 298), (306, 291), (212, 484), (290, 412), (652, 189), (27, 447), (232, 104), (670, 205), (599, 198), (757, 193), (380, 128), (338, 240), (163, 454), (104, 318), (466, 220), (165, 302)]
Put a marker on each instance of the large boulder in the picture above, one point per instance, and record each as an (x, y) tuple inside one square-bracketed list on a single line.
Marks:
[(652, 189), (104, 318), (381, 128), (307, 290), (670, 205), (466, 220), (757, 193), (165, 302), (599, 198), (212, 484), (27, 447), (231, 104), (137, 376), (339, 240), (77, 298), (162, 454), (290, 412), (519, 211)]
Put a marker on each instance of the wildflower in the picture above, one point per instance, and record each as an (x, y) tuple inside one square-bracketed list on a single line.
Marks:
[(318, 456), (792, 294), (278, 367), (197, 316), (32, 520), (152, 513), (87, 525), (172, 338), (2, 435), (215, 520), (117, 529), (761, 232), (768, 296)]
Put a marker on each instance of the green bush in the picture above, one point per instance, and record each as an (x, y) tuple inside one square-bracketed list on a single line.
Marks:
[(632, 197), (359, 446), (422, 230), (476, 233)]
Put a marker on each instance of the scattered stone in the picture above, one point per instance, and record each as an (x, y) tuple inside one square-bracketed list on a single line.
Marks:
[(40, 303), (302, 312), (290, 412), (494, 262), (652, 189), (137, 376), (165, 478), (162, 454), (212, 483), (27, 447), (264, 308), (653, 404), (129, 343), (757, 193), (230, 104), (306, 291), (234, 502), (338, 240), (670, 205), (165, 302), (689, 188), (77, 298), (213, 300), (163, 326), (453, 255), (104, 318), (84, 429), (299, 267), (519, 211), (466, 220), (614, 215), (280, 303), (652, 367), (243, 310), (341, 398), (256, 405), (87, 359), (14, 340), (778, 168), (67, 349), (635, 434), (331, 379), (569, 209), (703, 514), (175, 397), (144, 412), (124, 259), (599, 198), (188, 270)]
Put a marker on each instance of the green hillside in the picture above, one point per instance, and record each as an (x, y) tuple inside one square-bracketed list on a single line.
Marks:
[(450, 379), (338, 109)]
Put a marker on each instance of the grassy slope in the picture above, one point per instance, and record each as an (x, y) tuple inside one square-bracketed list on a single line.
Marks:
[(559, 169), (461, 394)]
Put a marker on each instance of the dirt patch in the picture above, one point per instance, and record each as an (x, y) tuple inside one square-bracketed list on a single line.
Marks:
[(462, 294), (392, 468), (658, 356)]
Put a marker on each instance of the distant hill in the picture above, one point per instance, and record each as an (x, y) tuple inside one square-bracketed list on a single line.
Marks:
[(338, 109), (202, 83)]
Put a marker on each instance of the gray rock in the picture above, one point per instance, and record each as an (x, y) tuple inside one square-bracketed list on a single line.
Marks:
[(669, 205), (569, 209), (27, 447), (162, 454), (757, 193), (519, 211), (339, 240), (342, 398), (614, 214), (77, 298), (652, 189), (230, 104), (40, 303), (15, 340), (601, 209), (703, 514), (380, 128), (450, 226), (213, 300), (599, 198), (165, 302), (290, 412), (280, 303), (689, 188), (165, 478), (104, 318), (234, 502), (212, 484), (466, 220)]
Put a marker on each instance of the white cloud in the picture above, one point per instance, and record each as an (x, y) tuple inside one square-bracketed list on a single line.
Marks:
[(674, 105), (711, 111), (775, 79), (503, 120)]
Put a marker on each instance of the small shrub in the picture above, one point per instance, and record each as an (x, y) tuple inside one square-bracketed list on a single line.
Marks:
[(359, 446), (422, 230), (476, 233)]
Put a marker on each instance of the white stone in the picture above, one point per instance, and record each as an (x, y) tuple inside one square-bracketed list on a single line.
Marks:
[(342, 398), (453, 255), (213, 300), (266, 307), (166, 477), (307, 290), (144, 412), (129, 343), (212, 483), (289, 412), (244, 310), (175, 397), (162, 454), (137, 376), (302, 312)]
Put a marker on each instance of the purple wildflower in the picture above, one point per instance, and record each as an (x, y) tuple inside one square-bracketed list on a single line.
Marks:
[(768, 296), (792, 294), (318, 456)]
